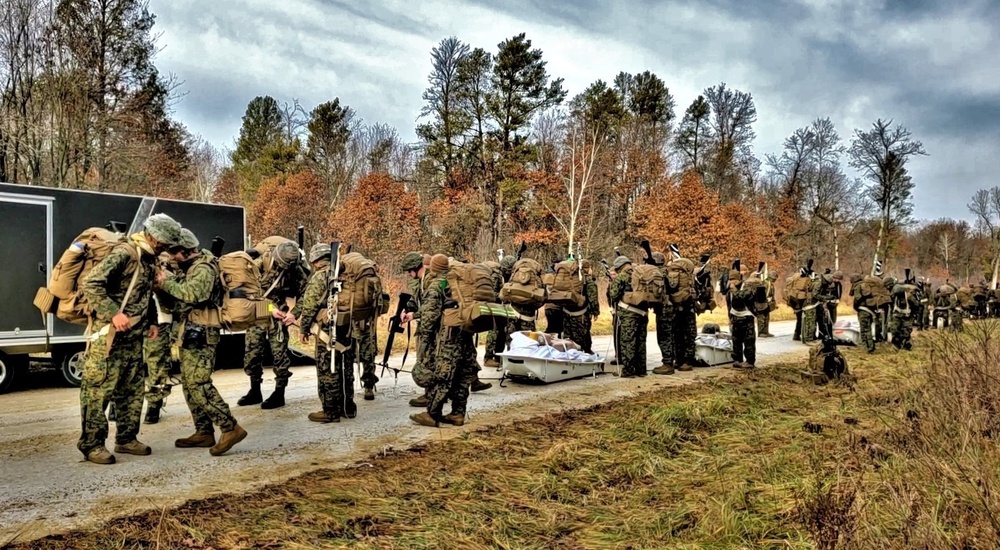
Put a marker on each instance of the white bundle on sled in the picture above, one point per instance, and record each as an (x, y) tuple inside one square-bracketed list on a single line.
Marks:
[(714, 349), (543, 357), (847, 330)]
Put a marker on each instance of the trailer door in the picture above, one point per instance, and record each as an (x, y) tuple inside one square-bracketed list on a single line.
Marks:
[(25, 257)]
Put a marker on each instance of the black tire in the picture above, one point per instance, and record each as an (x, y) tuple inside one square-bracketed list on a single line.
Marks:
[(11, 369), (71, 366)]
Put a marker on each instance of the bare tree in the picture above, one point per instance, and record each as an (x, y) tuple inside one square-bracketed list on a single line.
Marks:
[(985, 205), (204, 169), (580, 148)]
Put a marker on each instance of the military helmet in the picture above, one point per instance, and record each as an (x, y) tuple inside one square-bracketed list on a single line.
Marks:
[(411, 261), (659, 259), (318, 252), (620, 262), (187, 240), (285, 254), (163, 228), (507, 263)]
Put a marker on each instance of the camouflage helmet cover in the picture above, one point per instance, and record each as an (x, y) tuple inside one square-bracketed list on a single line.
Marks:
[(163, 228), (318, 252), (285, 254), (187, 240)]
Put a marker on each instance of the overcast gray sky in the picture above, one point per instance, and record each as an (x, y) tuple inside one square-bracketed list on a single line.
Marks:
[(930, 65)]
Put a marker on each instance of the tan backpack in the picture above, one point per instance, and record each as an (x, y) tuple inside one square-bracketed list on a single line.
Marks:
[(472, 289), (567, 285), (648, 287), (243, 304), (873, 292), (525, 287), (361, 291), (87, 250), (680, 277)]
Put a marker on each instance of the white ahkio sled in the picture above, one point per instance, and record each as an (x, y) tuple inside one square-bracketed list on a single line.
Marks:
[(542, 358)]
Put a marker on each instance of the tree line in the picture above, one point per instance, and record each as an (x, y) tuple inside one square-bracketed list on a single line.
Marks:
[(504, 154)]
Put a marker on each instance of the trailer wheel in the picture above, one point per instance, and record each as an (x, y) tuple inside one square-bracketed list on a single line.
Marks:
[(71, 366), (11, 368)]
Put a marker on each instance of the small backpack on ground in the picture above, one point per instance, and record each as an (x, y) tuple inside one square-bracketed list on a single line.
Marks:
[(361, 289), (567, 286), (648, 287), (243, 303), (873, 292), (472, 290), (62, 295), (525, 287), (680, 278)]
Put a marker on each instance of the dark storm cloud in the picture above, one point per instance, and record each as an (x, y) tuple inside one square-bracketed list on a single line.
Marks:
[(927, 65)]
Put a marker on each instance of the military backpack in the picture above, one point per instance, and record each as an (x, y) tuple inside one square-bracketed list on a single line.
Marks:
[(567, 285), (680, 278), (525, 287), (361, 295), (476, 308), (648, 287)]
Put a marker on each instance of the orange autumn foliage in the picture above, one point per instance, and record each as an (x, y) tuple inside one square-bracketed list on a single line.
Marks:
[(286, 201), (378, 218)]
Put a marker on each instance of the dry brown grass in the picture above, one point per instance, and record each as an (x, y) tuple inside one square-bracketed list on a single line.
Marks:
[(901, 456)]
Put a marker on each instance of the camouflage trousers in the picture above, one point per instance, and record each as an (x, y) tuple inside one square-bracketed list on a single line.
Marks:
[(157, 356), (763, 323), (665, 334), (336, 389), (518, 324), (808, 325), (203, 399), (632, 342), (939, 314), (259, 338), (866, 318), (831, 311), (881, 325), (744, 339), (495, 340), (576, 327), (363, 333), (685, 329), (901, 327), (797, 333), (454, 370), (955, 319), (111, 377)]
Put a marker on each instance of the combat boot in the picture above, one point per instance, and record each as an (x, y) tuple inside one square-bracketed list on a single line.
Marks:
[(685, 367), (420, 402), (370, 394), (350, 409), (479, 385), (152, 414), (491, 363), (455, 419), (196, 440), (253, 397), (100, 455), (425, 419), (664, 369), (323, 418), (228, 439), (275, 400), (134, 447)]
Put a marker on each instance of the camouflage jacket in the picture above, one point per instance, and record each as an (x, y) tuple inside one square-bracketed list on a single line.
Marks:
[(291, 286), (741, 298), (823, 290), (590, 291), (432, 307), (200, 287), (621, 285), (415, 286), (314, 297), (106, 284)]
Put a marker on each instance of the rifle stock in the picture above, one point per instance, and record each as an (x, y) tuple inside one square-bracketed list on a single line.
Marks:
[(218, 244), (395, 327), (649, 252)]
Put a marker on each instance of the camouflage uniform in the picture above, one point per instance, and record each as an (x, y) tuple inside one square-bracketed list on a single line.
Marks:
[(825, 294), (363, 333), (450, 368), (685, 330), (865, 315), (955, 313), (631, 329), (335, 389), (275, 334), (156, 352), (740, 299), (809, 313), (495, 338), (901, 324), (577, 323), (200, 289), (114, 374), (764, 306), (525, 321)]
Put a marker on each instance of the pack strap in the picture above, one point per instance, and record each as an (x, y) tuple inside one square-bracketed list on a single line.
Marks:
[(626, 307), (274, 284), (580, 313)]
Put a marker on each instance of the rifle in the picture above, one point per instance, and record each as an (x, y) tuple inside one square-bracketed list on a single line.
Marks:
[(649, 252), (607, 268), (334, 286), (521, 250), (618, 253), (218, 244), (396, 327), (301, 237)]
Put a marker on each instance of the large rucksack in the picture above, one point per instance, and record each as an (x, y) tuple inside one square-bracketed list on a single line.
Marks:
[(265, 247), (680, 278), (648, 287), (243, 303), (964, 296), (87, 250), (798, 291), (525, 286), (873, 292), (476, 302), (361, 293), (567, 285)]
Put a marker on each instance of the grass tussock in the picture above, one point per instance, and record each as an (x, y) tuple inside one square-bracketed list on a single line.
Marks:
[(902, 456)]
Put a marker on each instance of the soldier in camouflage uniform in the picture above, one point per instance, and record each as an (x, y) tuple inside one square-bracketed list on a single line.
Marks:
[(315, 323), (283, 277), (632, 323), (113, 366), (199, 296), (664, 324), (578, 321), (740, 299), (809, 310), (764, 306), (685, 325), (866, 315), (905, 304), (417, 269), (156, 351), (494, 343), (454, 364), (836, 293), (956, 314)]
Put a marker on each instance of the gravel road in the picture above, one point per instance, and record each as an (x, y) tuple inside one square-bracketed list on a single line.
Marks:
[(47, 488)]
